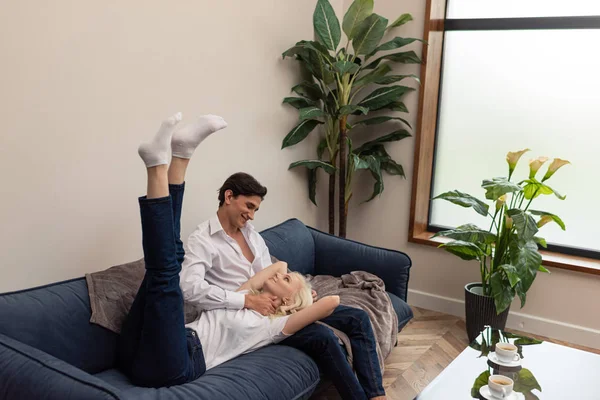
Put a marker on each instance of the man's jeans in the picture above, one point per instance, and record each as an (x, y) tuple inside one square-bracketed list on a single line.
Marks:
[(155, 349), (320, 343)]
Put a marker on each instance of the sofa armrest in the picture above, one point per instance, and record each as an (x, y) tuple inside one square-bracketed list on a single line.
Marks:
[(337, 256), (29, 373)]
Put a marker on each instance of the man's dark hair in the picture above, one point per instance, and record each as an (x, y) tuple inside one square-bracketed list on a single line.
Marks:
[(244, 184)]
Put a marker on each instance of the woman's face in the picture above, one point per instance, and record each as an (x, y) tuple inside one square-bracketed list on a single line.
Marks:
[(284, 286)]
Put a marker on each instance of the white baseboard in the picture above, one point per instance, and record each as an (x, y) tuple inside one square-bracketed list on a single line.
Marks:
[(575, 334)]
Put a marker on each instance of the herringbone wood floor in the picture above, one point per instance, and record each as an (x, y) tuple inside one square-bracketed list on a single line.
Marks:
[(426, 346)]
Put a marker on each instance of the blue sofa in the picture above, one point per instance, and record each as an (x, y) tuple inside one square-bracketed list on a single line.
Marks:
[(50, 350)]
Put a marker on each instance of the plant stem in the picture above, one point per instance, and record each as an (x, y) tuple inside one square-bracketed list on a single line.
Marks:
[(332, 204), (482, 271), (530, 200), (342, 208)]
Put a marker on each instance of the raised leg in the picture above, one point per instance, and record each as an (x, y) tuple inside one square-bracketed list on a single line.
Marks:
[(155, 349)]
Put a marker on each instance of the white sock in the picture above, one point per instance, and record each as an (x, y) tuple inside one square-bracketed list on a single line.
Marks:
[(156, 152), (188, 137)]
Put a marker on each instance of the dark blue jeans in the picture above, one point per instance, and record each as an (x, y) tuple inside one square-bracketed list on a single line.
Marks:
[(155, 349), (322, 345)]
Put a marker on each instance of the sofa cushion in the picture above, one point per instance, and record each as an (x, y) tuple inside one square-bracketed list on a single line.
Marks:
[(271, 373), (402, 309), (55, 319), (292, 242)]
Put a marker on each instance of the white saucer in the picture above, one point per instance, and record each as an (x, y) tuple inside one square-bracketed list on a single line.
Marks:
[(494, 358), (485, 392)]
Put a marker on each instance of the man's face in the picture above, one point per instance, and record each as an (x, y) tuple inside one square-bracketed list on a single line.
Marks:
[(240, 209)]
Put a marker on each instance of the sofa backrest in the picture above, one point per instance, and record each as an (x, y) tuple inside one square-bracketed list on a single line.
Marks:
[(55, 319), (292, 242)]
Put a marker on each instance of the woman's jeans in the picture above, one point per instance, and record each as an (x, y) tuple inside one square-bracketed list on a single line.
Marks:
[(155, 349), (321, 344)]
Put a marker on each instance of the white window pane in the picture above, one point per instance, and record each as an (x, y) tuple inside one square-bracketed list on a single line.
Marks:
[(521, 8), (510, 90)]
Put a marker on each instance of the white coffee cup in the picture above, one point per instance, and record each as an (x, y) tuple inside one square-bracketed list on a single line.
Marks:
[(507, 352), (500, 386)]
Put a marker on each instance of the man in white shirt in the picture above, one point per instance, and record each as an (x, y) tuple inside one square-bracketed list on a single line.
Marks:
[(225, 251)]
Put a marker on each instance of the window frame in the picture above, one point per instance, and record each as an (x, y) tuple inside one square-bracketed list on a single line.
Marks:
[(435, 26)]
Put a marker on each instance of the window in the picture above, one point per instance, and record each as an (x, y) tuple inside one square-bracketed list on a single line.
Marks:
[(503, 76)]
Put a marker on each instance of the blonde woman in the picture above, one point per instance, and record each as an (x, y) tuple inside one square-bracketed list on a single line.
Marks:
[(156, 348)]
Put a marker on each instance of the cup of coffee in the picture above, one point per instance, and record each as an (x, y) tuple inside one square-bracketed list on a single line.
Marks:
[(507, 352), (500, 386)]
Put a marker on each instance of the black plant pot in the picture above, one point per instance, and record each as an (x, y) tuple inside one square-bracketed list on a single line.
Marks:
[(480, 311)]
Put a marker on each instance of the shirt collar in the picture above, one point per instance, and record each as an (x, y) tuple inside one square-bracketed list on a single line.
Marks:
[(215, 226)]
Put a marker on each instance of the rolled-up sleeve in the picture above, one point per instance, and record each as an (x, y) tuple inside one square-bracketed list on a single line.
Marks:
[(196, 290)]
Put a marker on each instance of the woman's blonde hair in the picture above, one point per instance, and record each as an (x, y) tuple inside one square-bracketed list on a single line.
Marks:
[(302, 299)]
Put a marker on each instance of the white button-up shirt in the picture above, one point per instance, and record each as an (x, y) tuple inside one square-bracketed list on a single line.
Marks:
[(215, 267)]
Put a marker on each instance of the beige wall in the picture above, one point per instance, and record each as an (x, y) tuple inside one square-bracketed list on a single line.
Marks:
[(564, 296), (82, 83)]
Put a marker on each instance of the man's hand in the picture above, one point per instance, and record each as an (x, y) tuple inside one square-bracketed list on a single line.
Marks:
[(264, 303), (314, 295)]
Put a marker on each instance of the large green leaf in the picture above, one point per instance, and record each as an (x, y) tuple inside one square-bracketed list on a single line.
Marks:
[(312, 185), (533, 189), (375, 168), (353, 109), (555, 218), (541, 241), (526, 382), (298, 102), (371, 77), (480, 382), (393, 168), (369, 33), (465, 200), (309, 90), (526, 258), (469, 233), (401, 20), (395, 43), (321, 148), (390, 137), (405, 57), (360, 162), (326, 24), (300, 132), (292, 51), (397, 106), (386, 80), (318, 48), (380, 120), (345, 67), (497, 187), (465, 250), (525, 224), (312, 164), (511, 273), (311, 112), (502, 291), (315, 64), (357, 12), (384, 96)]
